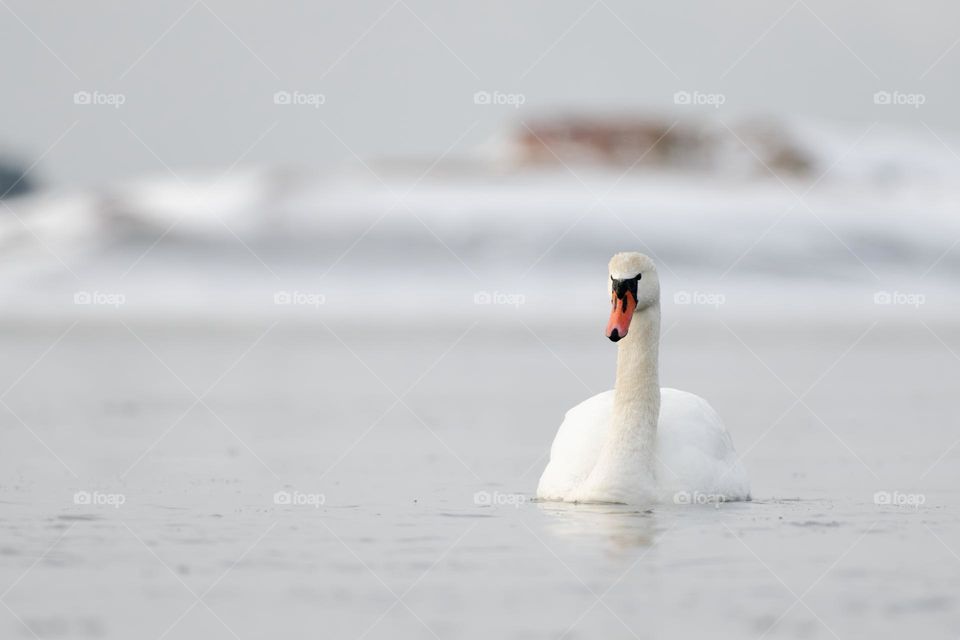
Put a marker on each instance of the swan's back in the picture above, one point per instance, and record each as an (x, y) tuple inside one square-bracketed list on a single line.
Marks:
[(695, 454), (695, 450), (576, 446)]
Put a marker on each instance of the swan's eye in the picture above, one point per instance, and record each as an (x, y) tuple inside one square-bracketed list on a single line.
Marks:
[(620, 288)]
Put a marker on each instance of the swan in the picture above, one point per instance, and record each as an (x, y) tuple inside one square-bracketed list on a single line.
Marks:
[(638, 443)]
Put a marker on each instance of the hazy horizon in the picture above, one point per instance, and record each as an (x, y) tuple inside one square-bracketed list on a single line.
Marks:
[(198, 79)]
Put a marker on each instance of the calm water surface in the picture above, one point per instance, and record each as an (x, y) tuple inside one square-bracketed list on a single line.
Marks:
[(406, 461)]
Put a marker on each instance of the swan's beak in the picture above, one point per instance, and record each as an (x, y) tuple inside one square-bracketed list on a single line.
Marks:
[(621, 315)]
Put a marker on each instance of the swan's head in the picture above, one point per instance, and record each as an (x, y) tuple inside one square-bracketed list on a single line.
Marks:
[(634, 286)]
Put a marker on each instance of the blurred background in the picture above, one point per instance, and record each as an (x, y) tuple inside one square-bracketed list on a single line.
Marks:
[(494, 145), (359, 251)]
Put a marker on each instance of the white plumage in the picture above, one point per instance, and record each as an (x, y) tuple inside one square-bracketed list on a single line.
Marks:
[(694, 454), (639, 443)]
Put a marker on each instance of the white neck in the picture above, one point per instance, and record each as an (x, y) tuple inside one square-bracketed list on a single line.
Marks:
[(636, 408), (636, 400)]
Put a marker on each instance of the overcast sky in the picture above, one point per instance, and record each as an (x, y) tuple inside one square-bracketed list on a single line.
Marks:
[(197, 80)]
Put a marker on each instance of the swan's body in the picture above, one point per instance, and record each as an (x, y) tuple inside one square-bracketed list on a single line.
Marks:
[(694, 455), (639, 443)]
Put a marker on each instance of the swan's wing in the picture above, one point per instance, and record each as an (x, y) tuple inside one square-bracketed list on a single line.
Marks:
[(696, 452), (576, 446)]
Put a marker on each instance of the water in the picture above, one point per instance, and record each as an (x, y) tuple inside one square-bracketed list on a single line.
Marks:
[(425, 442)]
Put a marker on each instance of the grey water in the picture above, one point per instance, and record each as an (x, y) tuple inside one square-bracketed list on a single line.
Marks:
[(376, 480)]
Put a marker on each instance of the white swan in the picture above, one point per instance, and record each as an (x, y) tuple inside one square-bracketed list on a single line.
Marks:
[(639, 443)]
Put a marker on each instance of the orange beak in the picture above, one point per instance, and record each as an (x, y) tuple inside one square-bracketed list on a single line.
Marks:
[(621, 315)]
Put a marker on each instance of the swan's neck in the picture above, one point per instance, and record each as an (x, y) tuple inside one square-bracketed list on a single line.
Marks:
[(636, 400)]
